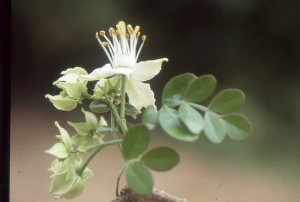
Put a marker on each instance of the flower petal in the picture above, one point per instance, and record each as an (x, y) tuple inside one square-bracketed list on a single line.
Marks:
[(140, 94), (60, 185), (64, 136), (144, 71), (81, 128), (74, 90), (76, 70), (59, 150), (71, 78), (106, 71), (102, 121), (75, 191), (78, 139), (65, 104), (55, 166), (91, 119)]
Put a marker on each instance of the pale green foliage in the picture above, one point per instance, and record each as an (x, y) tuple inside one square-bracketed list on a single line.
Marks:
[(186, 123)]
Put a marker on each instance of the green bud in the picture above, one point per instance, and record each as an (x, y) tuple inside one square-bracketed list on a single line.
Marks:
[(98, 106)]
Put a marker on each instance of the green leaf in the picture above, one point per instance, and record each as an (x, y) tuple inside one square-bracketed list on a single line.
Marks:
[(139, 179), (98, 106), (213, 127), (149, 117), (191, 118), (135, 141), (227, 101), (200, 88), (160, 158), (174, 90), (173, 126), (237, 126)]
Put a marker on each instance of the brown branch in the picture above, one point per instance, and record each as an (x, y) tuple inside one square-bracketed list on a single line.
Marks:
[(127, 195)]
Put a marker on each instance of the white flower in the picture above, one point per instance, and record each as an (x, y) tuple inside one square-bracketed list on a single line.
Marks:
[(122, 54)]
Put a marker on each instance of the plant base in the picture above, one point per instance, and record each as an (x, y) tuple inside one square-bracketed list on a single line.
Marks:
[(127, 195)]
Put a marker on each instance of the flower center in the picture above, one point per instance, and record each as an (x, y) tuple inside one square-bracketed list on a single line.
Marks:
[(121, 50)]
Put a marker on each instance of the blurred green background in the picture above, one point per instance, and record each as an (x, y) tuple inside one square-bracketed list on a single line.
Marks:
[(251, 45)]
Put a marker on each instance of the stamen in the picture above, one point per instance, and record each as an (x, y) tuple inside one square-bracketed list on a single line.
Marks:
[(109, 57), (97, 35), (130, 30), (136, 29), (111, 31), (127, 37), (102, 33), (137, 55), (105, 43), (119, 29)]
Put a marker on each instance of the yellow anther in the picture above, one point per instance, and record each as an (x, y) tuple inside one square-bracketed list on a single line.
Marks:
[(102, 33), (138, 34), (144, 37), (111, 31), (130, 30), (119, 29), (105, 43), (97, 35), (136, 29)]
